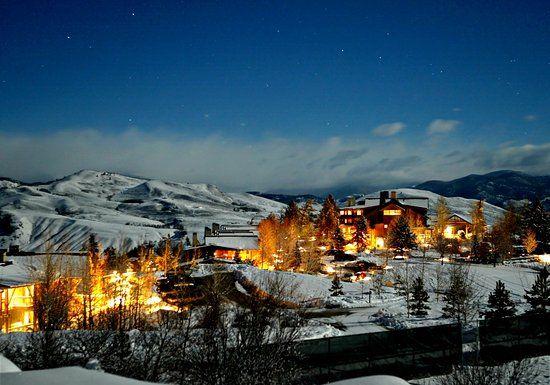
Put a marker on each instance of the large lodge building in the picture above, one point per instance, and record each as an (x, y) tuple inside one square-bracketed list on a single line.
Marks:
[(380, 212)]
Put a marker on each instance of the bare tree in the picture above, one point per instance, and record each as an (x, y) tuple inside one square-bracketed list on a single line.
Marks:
[(524, 372), (53, 293), (247, 345)]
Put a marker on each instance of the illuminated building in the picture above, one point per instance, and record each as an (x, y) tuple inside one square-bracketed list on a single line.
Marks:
[(380, 212), (458, 227), (16, 299)]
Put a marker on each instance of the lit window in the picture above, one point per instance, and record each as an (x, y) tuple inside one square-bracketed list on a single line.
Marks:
[(350, 212), (342, 212), (392, 212), (359, 212)]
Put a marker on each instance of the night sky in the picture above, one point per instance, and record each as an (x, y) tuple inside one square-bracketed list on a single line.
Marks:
[(280, 96)]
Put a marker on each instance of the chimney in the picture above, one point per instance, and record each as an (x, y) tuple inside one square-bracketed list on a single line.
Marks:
[(195, 241), (215, 228), (384, 195), (207, 231), (393, 195), (3, 254)]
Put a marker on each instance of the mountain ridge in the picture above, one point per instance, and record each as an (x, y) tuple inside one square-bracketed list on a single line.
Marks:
[(498, 187)]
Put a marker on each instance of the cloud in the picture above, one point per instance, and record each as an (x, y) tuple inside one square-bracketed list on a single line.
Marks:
[(266, 164), (441, 126), (530, 118), (529, 157), (343, 157), (388, 129)]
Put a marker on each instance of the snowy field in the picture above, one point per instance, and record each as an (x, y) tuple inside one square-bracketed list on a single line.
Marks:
[(352, 313)]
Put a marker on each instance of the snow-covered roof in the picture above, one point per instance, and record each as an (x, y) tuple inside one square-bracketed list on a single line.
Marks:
[(373, 380), (14, 275), (463, 217), (242, 242), (6, 366), (416, 201), (66, 376)]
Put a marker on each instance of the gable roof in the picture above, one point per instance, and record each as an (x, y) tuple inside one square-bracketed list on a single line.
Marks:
[(241, 242), (460, 217)]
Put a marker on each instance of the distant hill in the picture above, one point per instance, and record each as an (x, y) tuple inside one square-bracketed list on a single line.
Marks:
[(497, 187), (121, 210), (287, 198)]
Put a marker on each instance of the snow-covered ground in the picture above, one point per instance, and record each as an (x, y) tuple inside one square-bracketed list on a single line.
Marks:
[(66, 376), (352, 313), (122, 211)]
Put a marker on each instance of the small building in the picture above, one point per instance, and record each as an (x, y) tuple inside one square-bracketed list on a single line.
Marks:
[(381, 211), (16, 298), (227, 242), (231, 241), (458, 227)]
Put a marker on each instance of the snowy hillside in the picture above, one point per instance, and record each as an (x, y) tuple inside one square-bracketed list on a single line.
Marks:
[(457, 205), (120, 210)]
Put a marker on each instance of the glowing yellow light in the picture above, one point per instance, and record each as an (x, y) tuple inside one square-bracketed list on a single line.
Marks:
[(544, 258)]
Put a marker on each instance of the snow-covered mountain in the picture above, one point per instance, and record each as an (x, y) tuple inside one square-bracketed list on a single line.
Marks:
[(457, 205), (122, 211), (498, 187)]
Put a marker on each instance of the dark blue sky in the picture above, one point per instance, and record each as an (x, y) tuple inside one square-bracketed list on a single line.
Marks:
[(444, 76)]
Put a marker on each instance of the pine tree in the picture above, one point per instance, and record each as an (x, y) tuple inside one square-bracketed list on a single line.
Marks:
[(441, 245), (360, 235), (338, 240), (327, 222), (539, 295), (336, 289), (459, 296), (500, 303), (295, 258), (93, 250), (308, 212), (400, 236), (420, 298)]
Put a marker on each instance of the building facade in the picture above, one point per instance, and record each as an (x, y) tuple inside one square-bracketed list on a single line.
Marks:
[(458, 227), (380, 212)]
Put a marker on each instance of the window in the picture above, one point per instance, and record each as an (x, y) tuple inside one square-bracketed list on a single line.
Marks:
[(359, 212), (392, 212), (342, 212), (349, 212)]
